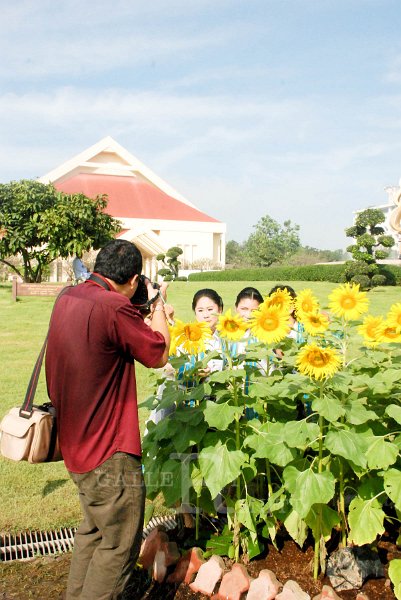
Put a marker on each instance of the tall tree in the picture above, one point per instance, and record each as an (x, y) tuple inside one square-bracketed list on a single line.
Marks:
[(39, 224), (272, 242), (235, 253)]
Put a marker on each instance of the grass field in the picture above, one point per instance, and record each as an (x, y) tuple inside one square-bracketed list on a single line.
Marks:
[(42, 496)]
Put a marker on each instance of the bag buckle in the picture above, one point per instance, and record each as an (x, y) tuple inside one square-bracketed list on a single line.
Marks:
[(25, 414)]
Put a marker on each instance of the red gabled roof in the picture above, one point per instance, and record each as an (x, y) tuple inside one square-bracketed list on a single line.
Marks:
[(128, 197)]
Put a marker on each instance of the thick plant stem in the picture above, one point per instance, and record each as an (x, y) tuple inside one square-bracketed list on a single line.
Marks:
[(269, 478), (238, 487), (342, 507), (197, 518), (320, 469)]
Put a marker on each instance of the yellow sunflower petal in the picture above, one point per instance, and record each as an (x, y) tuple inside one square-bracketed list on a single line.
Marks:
[(372, 330), (314, 323), (317, 362), (306, 302), (348, 302), (280, 298), (269, 324), (191, 337), (231, 326), (394, 315), (390, 333)]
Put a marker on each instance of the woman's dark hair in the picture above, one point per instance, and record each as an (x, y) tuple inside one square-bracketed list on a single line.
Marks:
[(119, 260), (251, 293), (280, 286), (207, 293)]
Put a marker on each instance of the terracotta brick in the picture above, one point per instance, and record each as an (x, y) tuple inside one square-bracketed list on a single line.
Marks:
[(172, 553), (150, 546), (327, 593), (180, 571), (196, 560), (159, 566), (233, 584), (265, 587), (292, 591), (208, 576)]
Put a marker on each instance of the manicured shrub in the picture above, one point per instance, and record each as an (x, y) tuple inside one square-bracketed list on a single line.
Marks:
[(300, 273), (334, 273), (364, 281), (379, 279)]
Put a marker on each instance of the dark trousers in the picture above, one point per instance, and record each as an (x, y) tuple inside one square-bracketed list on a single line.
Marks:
[(108, 540)]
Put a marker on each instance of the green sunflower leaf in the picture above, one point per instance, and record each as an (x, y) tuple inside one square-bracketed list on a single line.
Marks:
[(392, 486), (269, 442), (357, 413), (312, 488), (348, 444), (222, 415), (226, 375), (394, 411), (296, 527), (365, 519), (321, 519), (381, 454), (188, 436), (394, 572), (299, 434), (382, 383), (220, 466), (328, 407)]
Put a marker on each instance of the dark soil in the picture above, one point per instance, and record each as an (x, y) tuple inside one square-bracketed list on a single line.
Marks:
[(45, 578)]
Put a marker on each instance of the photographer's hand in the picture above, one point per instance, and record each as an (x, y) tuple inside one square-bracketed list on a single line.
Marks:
[(158, 321)]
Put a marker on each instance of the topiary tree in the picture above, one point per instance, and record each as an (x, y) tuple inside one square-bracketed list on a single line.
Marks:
[(172, 265), (371, 244)]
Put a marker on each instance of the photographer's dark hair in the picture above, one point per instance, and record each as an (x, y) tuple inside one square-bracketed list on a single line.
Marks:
[(207, 293), (249, 292), (119, 260)]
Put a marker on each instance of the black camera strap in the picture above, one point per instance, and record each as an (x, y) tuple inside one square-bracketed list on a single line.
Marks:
[(99, 280)]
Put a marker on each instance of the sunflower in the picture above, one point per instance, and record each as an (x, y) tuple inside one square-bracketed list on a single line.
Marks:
[(269, 323), (281, 298), (314, 322), (318, 362), (394, 316), (306, 302), (173, 335), (391, 333), (348, 302), (191, 337), (372, 330), (232, 327)]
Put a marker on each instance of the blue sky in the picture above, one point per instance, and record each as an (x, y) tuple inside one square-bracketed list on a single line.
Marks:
[(290, 108)]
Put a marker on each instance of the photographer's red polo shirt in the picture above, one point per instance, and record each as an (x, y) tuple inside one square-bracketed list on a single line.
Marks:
[(95, 337)]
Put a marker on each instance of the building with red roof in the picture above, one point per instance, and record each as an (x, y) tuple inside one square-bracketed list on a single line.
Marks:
[(153, 214)]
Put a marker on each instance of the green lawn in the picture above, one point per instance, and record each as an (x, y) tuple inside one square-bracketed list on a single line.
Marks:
[(42, 496)]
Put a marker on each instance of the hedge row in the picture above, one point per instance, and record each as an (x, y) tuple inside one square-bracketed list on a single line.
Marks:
[(332, 273)]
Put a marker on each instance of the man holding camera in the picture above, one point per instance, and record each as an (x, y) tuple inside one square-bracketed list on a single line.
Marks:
[(95, 336)]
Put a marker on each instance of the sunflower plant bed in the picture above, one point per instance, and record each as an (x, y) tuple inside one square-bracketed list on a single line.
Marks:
[(305, 441)]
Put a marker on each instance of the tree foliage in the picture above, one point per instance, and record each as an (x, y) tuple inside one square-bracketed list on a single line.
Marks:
[(272, 242), (170, 272), (371, 244), (39, 224), (235, 253)]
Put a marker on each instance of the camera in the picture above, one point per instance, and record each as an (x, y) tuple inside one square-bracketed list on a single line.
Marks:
[(140, 298)]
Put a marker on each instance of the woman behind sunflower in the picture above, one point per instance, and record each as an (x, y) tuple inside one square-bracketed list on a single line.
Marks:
[(193, 340)]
